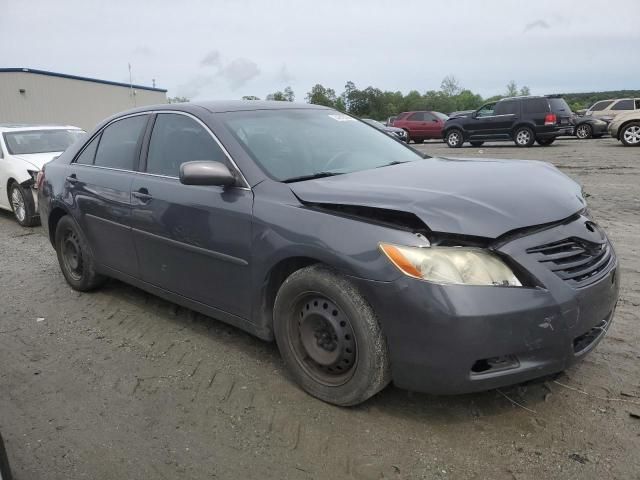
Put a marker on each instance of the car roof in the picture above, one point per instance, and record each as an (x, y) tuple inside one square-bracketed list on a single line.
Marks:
[(12, 127), (219, 106)]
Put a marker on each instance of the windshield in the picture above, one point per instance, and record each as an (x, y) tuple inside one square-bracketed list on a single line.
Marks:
[(441, 116), (40, 141), (292, 143)]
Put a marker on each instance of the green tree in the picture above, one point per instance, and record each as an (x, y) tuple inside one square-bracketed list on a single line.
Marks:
[(177, 99), (524, 91), (450, 86), (320, 95), (250, 97), (289, 96), (512, 89), (278, 96)]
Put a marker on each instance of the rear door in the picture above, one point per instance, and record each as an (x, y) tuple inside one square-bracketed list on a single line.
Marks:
[(506, 115), (99, 182), (562, 110), (191, 240)]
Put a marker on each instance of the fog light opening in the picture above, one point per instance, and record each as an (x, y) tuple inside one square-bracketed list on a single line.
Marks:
[(493, 364)]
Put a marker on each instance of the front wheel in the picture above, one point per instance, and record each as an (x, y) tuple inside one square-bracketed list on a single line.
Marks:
[(454, 138), (523, 137), (630, 135), (329, 337), (584, 131), (75, 257), (23, 205), (545, 142)]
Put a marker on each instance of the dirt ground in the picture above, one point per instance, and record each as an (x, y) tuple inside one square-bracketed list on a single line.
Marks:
[(118, 384)]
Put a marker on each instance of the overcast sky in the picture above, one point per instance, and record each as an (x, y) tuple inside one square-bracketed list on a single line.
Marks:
[(220, 49)]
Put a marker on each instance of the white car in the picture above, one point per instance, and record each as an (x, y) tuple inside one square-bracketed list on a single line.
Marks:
[(24, 149)]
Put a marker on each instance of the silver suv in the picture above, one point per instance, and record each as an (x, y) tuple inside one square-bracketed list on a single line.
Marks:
[(608, 109)]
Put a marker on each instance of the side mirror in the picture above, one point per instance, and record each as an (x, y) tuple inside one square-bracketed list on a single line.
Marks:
[(206, 173), (474, 114)]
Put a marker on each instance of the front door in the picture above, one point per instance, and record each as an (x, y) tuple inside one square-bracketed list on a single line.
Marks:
[(99, 182), (191, 240)]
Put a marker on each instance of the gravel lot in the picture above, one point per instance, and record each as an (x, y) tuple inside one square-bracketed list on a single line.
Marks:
[(118, 384)]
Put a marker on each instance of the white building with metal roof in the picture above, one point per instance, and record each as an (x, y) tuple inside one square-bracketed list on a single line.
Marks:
[(38, 96)]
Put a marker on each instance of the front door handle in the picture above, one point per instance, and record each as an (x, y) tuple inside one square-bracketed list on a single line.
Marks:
[(72, 178), (142, 195)]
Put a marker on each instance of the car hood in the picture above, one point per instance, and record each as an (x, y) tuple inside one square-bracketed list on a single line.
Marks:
[(485, 198), (36, 160)]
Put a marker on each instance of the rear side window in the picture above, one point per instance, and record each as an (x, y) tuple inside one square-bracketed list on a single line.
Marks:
[(508, 107), (89, 153), (601, 105), (638, 104), (559, 105), (416, 117), (177, 139), (535, 105), (118, 146), (623, 105)]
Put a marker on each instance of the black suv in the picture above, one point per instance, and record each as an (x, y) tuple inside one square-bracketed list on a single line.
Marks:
[(522, 119)]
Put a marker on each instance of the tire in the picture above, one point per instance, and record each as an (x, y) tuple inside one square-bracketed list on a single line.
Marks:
[(330, 338), (523, 137), (23, 206), (75, 257), (584, 131), (454, 138), (477, 144), (418, 140), (545, 142), (408, 140), (630, 134)]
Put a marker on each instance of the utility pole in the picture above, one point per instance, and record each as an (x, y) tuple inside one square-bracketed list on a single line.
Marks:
[(133, 93)]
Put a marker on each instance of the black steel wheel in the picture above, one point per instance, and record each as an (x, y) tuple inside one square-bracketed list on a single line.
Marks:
[(329, 337), (323, 340), (75, 257)]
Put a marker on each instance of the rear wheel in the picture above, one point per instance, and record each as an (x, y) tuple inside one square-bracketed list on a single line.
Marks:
[(584, 131), (545, 141), (329, 337), (630, 134), (75, 257), (23, 205), (523, 137), (418, 140), (477, 144), (454, 138)]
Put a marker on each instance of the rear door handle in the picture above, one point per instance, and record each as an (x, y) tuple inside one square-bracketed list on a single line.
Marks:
[(72, 178), (142, 195)]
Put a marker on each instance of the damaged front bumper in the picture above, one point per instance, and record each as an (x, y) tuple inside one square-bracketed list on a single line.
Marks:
[(450, 339)]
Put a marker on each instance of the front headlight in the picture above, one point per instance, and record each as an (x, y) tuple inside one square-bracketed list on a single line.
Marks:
[(451, 265)]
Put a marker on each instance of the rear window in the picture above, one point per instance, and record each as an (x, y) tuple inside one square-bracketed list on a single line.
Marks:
[(535, 105), (559, 105), (28, 142)]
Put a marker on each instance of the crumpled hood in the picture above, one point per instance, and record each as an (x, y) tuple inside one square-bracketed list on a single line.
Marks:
[(485, 198), (36, 160)]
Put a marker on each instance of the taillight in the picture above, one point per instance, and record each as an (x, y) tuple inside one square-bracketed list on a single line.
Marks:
[(550, 119), (40, 179)]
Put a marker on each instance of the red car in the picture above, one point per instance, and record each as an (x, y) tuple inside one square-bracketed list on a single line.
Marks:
[(421, 125)]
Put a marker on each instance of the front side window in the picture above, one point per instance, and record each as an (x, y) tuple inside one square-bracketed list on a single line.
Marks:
[(623, 105), (177, 139), (26, 142), (486, 110), (601, 105), (290, 143), (119, 143)]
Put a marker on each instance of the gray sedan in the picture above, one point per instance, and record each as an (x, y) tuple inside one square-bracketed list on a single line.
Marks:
[(364, 260)]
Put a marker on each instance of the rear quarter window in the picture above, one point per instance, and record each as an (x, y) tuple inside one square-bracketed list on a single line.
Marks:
[(535, 105), (559, 105), (623, 105)]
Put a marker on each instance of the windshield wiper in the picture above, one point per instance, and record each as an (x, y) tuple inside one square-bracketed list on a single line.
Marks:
[(310, 176), (395, 162)]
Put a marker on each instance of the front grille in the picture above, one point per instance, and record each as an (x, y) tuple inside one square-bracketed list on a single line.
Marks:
[(577, 261)]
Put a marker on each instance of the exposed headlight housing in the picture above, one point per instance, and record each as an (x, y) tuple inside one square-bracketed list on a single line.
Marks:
[(452, 265)]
